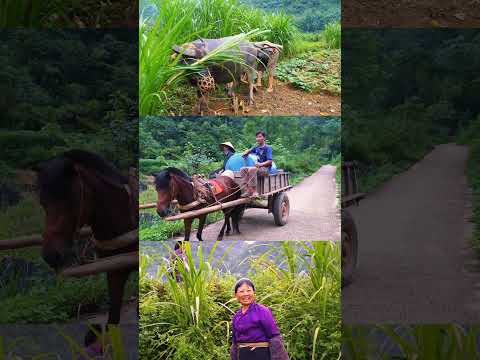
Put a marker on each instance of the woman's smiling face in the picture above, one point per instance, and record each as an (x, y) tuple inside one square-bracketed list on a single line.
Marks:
[(245, 294)]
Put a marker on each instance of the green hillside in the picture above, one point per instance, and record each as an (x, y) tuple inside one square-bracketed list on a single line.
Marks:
[(310, 15)]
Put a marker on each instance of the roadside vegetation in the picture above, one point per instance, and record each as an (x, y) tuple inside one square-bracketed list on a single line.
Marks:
[(191, 319), (439, 342), (471, 137), (388, 128)]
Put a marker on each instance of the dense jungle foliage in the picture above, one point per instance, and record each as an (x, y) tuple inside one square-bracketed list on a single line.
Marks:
[(68, 13), (191, 319), (60, 90), (300, 146), (310, 15), (404, 92)]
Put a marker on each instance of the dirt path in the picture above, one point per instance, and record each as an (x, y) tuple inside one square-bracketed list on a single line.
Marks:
[(284, 100), (415, 261), (314, 214), (409, 13)]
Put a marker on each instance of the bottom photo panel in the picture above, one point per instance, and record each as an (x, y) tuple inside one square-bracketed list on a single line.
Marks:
[(421, 341), (240, 300)]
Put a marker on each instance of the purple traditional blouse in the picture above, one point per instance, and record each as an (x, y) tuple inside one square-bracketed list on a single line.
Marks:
[(256, 325)]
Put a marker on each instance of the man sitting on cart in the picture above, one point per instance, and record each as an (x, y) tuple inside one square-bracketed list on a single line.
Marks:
[(262, 167)]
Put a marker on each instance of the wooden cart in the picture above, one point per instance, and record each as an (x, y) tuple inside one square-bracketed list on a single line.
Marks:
[(350, 196), (272, 190)]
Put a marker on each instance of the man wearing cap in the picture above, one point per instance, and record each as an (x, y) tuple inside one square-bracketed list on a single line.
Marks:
[(262, 167)]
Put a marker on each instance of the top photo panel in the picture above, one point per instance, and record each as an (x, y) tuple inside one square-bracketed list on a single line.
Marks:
[(85, 14), (239, 57), (411, 13)]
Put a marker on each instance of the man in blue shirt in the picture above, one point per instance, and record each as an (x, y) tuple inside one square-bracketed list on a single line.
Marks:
[(262, 167)]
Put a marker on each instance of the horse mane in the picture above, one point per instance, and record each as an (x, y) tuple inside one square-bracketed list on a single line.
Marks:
[(178, 172), (97, 163), (162, 178), (55, 175)]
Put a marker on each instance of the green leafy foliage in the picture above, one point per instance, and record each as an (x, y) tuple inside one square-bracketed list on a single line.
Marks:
[(313, 71), (310, 15), (388, 128), (191, 319), (67, 13)]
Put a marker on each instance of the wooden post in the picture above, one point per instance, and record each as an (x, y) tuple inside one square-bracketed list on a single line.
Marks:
[(112, 263), (207, 210)]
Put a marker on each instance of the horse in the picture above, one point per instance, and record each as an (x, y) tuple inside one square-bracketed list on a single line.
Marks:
[(80, 188), (173, 183)]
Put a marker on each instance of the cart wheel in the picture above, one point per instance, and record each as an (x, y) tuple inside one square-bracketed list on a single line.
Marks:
[(281, 209), (349, 248)]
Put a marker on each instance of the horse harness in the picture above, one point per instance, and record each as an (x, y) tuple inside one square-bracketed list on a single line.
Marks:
[(116, 243)]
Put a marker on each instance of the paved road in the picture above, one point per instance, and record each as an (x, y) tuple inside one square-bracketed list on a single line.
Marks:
[(314, 214), (416, 265)]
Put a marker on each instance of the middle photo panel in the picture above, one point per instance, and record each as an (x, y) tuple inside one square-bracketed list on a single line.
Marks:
[(231, 178)]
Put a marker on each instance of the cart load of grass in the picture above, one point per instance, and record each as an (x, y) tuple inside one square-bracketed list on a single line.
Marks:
[(191, 319), (175, 22)]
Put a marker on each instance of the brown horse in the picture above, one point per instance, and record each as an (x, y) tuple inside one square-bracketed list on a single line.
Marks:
[(173, 183), (79, 188)]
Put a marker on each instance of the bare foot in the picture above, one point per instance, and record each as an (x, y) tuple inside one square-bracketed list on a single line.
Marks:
[(270, 90)]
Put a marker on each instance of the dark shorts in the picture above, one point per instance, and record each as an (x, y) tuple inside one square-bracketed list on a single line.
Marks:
[(260, 353)]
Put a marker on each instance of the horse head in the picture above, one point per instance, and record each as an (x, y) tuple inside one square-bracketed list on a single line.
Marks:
[(167, 185), (75, 193)]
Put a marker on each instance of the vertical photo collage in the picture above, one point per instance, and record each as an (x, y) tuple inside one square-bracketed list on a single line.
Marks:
[(239, 180)]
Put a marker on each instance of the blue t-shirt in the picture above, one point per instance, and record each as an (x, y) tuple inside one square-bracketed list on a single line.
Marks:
[(264, 153)]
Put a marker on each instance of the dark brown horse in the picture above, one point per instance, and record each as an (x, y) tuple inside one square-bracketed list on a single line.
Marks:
[(79, 188), (173, 183)]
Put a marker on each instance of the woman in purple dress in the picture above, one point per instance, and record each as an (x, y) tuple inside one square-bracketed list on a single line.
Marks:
[(255, 332)]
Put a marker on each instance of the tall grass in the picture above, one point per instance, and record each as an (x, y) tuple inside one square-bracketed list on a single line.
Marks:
[(181, 21), (332, 35), (190, 319), (421, 342)]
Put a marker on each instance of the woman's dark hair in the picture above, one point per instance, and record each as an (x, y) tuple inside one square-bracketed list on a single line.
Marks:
[(244, 281), (261, 132)]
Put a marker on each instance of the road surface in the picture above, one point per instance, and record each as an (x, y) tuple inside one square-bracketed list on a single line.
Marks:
[(415, 261), (314, 214)]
